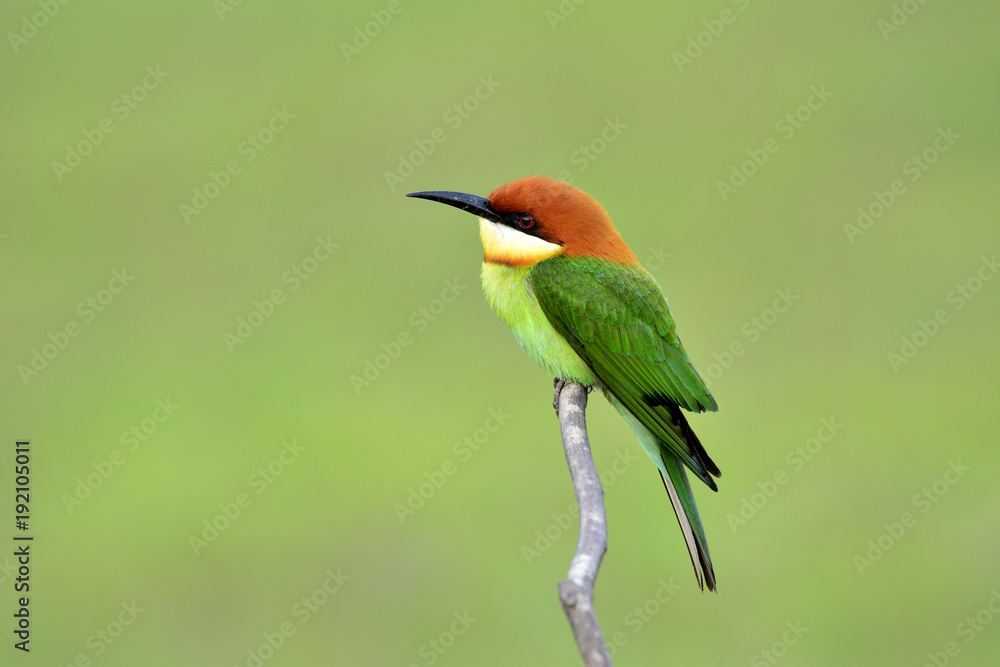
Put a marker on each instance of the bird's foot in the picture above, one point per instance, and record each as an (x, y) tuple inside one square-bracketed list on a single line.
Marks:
[(558, 384)]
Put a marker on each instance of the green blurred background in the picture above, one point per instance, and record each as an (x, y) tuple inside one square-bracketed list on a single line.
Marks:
[(116, 518)]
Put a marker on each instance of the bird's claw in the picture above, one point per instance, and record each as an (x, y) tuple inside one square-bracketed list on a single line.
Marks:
[(559, 384)]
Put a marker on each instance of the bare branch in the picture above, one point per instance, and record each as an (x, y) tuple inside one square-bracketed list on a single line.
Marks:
[(577, 593)]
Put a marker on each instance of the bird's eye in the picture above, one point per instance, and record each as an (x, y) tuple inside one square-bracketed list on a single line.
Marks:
[(526, 221)]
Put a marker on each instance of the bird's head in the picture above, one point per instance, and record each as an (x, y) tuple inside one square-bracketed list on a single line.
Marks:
[(532, 219)]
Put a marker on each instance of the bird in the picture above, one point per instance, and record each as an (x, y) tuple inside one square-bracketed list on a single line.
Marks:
[(577, 300)]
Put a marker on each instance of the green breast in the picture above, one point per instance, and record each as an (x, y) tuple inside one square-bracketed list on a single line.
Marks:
[(508, 291)]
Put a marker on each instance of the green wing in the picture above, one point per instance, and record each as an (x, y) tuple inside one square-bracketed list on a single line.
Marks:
[(618, 321)]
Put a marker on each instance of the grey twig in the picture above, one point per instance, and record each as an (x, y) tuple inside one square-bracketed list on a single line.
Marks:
[(577, 592)]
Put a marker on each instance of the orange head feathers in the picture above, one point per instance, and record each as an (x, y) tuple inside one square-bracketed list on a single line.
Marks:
[(564, 215), (532, 219)]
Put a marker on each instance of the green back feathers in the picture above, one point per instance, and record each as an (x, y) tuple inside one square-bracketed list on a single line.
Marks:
[(617, 320)]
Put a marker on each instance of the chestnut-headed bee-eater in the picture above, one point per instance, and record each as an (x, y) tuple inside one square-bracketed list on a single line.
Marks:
[(581, 305)]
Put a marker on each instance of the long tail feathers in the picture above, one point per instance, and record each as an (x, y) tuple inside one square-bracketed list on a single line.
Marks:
[(676, 483)]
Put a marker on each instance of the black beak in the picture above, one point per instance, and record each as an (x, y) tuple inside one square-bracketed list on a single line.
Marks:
[(474, 204)]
